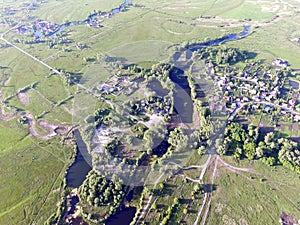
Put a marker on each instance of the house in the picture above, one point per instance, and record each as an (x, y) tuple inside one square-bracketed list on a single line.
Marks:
[(253, 92), (296, 40), (268, 97), (297, 118), (280, 62), (261, 83), (245, 99), (267, 108), (247, 86), (286, 219), (292, 103), (256, 98)]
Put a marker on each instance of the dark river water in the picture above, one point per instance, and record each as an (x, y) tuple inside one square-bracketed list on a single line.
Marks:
[(230, 37), (123, 217), (82, 165)]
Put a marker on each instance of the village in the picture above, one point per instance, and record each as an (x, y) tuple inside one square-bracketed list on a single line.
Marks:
[(255, 87), (115, 85), (46, 29), (42, 28)]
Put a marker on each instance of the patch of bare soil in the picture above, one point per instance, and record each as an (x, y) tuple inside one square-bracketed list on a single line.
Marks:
[(53, 129), (5, 82), (4, 116), (24, 98), (7, 117)]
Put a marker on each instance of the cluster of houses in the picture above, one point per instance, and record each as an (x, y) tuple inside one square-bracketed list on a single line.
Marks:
[(258, 88), (114, 85), (251, 87), (286, 219), (23, 29), (156, 105), (95, 23), (218, 106), (44, 27), (9, 11)]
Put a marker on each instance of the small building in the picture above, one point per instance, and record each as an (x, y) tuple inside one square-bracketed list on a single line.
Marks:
[(292, 103), (286, 219), (267, 108), (280, 62), (297, 118)]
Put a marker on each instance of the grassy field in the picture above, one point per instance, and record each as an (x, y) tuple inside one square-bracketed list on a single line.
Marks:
[(271, 46), (267, 195), (31, 175), (35, 103), (47, 86), (20, 76), (11, 133), (175, 188), (32, 170)]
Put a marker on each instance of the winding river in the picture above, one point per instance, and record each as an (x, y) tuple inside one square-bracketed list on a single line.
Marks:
[(90, 18), (222, 40)]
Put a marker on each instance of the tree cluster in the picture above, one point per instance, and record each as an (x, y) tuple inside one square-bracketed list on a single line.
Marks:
[(222, 55), (98, 191), (247, 142)]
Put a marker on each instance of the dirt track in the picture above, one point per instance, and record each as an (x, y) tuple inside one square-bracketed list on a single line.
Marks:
[(53, 130)]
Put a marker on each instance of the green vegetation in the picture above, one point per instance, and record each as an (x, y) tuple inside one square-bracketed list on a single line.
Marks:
[(235, 202), (24, 163), (245, 143), (99, 197), (127, 64)]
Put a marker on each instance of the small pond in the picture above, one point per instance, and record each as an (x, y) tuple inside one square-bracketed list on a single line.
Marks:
[(82, 165)]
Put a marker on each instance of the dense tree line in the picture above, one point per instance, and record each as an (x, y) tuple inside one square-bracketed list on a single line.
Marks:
[(206, 126), (171, 209), (246, 141), (222, 55)]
